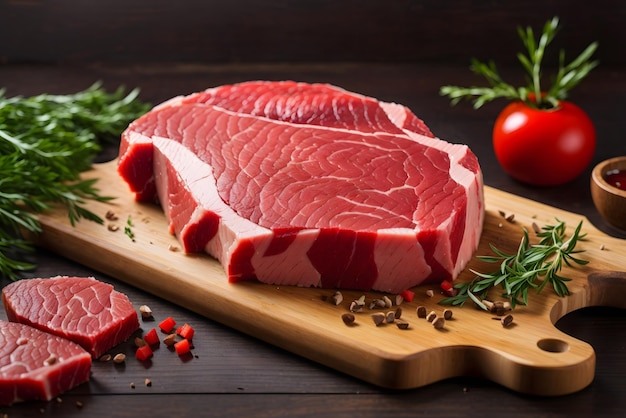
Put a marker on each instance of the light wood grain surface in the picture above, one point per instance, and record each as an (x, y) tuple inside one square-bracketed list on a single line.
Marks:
[(531, 356)]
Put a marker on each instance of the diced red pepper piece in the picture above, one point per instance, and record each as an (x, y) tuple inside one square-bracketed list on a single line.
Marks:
[(186, 331), (182, 347), (151, 338), (448, 288), (167, 325), (445, 285), (407, 295), (143, 353)]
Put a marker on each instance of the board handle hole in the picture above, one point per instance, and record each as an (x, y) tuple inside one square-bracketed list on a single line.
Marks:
[(553, 345)]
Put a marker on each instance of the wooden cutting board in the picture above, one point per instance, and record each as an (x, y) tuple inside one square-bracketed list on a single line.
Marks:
[(530, 356)]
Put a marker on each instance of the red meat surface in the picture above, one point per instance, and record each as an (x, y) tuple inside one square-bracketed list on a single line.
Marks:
[(82, 309), (309, 185), (35, 365)]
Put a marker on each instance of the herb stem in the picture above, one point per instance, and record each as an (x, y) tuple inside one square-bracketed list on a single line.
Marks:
[(532, 266), (46, 141), (566, 78)]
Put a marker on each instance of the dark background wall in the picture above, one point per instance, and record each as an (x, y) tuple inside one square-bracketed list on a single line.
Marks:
[(241, 31)]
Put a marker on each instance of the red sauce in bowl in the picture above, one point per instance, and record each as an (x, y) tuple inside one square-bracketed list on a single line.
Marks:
[(616, 178)]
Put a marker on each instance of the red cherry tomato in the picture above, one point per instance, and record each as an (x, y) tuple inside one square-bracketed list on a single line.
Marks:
[(544, 147)]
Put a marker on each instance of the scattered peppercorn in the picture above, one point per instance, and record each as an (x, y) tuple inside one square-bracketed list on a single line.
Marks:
[(119, 358), (170, 340), (431, 316), (439, 323), (347, 318), (336, 298), (145, 311), (402, 324), (507, 320), (378, 318)]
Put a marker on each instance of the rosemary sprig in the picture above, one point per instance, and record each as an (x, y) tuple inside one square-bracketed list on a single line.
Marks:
[(567, 75), (531, 267), (46, 141), (128, 229)]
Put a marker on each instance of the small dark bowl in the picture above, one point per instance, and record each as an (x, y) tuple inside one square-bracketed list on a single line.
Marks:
[(610, 201)]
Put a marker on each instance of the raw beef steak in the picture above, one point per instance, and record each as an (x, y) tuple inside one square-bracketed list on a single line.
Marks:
[(35, 365), (309, 185), (82, 309)]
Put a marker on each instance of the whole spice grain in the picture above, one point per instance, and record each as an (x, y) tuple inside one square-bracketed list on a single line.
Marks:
[(399, 299), (536, 228), (387, 301), (355, 306), (111, 216), (507, 320), (348, 318), (104, 358), (498, 308), (390, 317), (119, 358), (139, 342), (378, 318), (430, 293), (336, 298), (170, 340), (377, 303), (398, 313), (439, 323), (402, 324), (145, 311), (431, 316), (447, 314), (421, 312)]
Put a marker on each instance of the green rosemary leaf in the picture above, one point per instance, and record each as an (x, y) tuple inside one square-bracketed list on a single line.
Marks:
[(477, 301), (568, 75), (531, 267), (46, 141)]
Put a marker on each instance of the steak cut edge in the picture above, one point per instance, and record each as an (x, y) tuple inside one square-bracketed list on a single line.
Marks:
[(308, 184)]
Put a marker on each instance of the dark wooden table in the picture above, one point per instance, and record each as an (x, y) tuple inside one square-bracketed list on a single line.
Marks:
[(232, 374)]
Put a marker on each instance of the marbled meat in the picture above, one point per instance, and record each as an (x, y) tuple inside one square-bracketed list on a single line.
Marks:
[(308, 184), (36, 365), (81, 309)]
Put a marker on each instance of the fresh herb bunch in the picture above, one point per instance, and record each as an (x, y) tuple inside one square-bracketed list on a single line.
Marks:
[(533, 266), (46, 141), (566, 77)]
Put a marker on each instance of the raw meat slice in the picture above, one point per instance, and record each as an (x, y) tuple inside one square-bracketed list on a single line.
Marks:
[(35, 365), (82, 309), (292, 183)]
